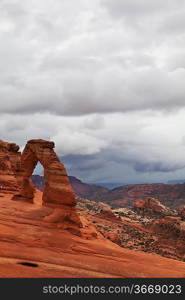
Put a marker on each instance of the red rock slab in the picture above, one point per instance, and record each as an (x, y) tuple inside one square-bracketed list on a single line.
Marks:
[(24, 237)]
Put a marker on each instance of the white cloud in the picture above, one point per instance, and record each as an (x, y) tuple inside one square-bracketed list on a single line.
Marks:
[(76, 59)]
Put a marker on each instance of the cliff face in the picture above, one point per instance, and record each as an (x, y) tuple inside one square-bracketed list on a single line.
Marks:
[(9, 167), (172, 195)]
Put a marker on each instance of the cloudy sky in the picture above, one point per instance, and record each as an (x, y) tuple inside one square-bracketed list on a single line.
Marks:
[(104, 79)]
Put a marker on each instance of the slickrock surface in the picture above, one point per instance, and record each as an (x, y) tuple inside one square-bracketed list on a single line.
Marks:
[(55, 252)]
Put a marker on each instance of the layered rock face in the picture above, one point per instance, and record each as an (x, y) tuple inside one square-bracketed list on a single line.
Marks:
[(57, 193), (10, 167), (171, 195)]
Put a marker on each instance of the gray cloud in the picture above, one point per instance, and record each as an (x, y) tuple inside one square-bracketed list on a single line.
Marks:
[(156, 167), (104, 79), (135, 146), (142, 7)]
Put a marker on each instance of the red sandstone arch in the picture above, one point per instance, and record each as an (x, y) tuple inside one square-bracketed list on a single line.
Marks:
[(57, 189)]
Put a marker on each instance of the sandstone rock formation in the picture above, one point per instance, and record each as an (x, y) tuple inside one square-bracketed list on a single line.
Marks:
[(153, 205), (10, 172), (181, 212), (57, 193)]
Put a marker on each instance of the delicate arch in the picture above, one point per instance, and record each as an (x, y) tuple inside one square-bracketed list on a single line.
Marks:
[(57, 190)]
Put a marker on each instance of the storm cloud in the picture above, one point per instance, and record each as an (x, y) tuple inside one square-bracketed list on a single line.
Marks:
[(104, 79)]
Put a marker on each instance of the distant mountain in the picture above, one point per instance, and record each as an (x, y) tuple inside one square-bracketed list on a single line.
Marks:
[(108, 185), (85, 190), (176, 181), (172, 195), (38, 181)]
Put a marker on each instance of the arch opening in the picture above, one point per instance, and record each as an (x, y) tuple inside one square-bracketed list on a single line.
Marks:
[(38, 177)]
